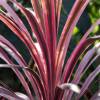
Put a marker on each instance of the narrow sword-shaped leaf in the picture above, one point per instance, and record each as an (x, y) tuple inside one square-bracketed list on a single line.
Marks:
[(78, 47), (8, 94), (81, 67), (74, 57), (89, 65), (48, 33), (37, 31), (38, 11), (72, 62), (17, 72), (11, 50), (53, 38), (34, 75), (88, 56), (28, 42), (88, 81), (13, 15), (14, 53), (58, 10), (9, 89), (66, 35)]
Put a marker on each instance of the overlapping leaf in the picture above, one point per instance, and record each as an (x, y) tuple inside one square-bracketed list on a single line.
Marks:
[(53, 77)]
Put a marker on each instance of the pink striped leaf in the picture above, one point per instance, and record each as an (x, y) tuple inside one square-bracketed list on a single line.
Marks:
[(13, 15), (4, 56), (27, 41), (80, 45), (38, 11), (8, 94), (75, 55), (35, 77), (12, 51), (88, 81), (66, 34)]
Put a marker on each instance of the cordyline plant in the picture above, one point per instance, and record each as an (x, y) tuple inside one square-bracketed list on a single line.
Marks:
[(53, 78)]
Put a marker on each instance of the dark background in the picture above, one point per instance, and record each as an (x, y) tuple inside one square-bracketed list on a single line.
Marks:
[(90, 15)]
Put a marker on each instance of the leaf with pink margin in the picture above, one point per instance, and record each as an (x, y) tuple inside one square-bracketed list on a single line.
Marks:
[(58, 11), (8, 94), (4, 43), (33, 22), (88, 81), (73, 17), (5, 57), (36, 30), (89, 65), (13, 15), (22, 35), (83, 66), (27, 41), (46, 18), (88, 56), (53, 38), (80, 46), (10, 48), (66, 35), (34, 75), (50, 38), (39, 12), (66, 75), (69, 67)]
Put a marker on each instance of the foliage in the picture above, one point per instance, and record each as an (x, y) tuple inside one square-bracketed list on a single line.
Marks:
[(53, 78)]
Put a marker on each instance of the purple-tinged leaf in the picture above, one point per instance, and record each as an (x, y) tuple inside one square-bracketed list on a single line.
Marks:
[(96, 96), (66, 35), (46, 18), (35, 26), (8, 94), (13, 15), (58, 10), (44, 22), (89, 65), (53, 40), (34, 75), (37, 31), (80, 46), (4, 56), (88, 56), (50, 33), (14, 53), (81, 67), (28, 42), (38, 11), (4, 43), (88, 81), (69, 67)]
